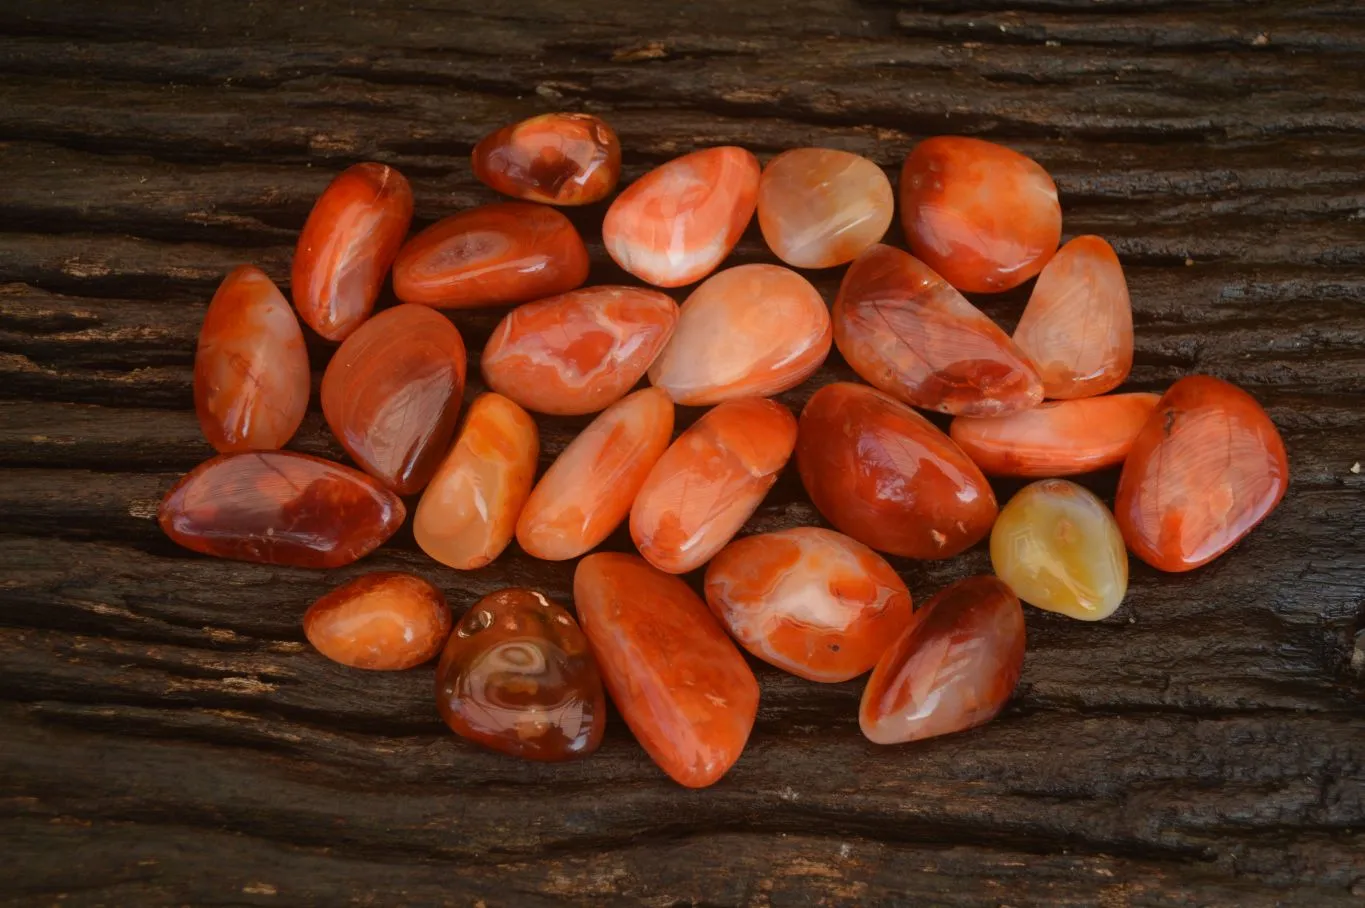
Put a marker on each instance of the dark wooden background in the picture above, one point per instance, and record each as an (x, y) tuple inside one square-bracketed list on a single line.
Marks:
[(166, 737)]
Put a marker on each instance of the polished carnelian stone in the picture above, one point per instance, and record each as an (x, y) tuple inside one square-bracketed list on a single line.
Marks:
[(982, 215), (278, 507), (1206, 468), (468, 512), (347, 246), (384, 621), (557, 158), (677, 680), (589, 488), (676, 223), (517, 676), (251, 376), (579, 352), (510, 252), (903, 329), (819, 207), (952, 669), (392, 394), (710, 481), (1058, 438), (811, 601), (886, 476)]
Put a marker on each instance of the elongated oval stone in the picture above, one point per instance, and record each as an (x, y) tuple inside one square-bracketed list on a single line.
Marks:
[(556, 158), (384, 621), (819, 207)]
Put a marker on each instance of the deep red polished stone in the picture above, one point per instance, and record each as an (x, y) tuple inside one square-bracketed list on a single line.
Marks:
[(385, 621), (556, 158)]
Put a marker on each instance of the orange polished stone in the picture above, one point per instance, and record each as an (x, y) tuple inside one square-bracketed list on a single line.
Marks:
[(903, 329), (676, 223), (982, 215), (749, 331), (517, 676), (579, 352), (589, 488), (1208, 466), (886, 476), (251, 376), (1078, 325), (384, 621), (811, 601), (819, 207), (468, 513), (392, 394), (952, 669), (1058, 438), (710, 481), (678, 681), (510, 252), (278, 507), (347, 246), (557, 158)]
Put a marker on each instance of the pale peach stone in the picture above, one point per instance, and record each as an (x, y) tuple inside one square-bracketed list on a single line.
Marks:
[(819, 207)]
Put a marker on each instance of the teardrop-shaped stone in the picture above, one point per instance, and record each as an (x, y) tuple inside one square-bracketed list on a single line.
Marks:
[(384, 621), (279, 507), (251, 378), (906, 331), (556, 158), (517, 676), (819, 207)]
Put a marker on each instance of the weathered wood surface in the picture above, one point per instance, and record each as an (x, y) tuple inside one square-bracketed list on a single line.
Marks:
[(167, 738)]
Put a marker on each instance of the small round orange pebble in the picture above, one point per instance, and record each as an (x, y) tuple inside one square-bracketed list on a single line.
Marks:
[(556, 158), (819, 207), (384, 621)]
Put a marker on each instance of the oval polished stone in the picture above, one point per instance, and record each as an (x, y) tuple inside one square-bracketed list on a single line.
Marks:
[(678, 681), (811, 601), (1078, 325), (1058, 438), (556, 158), (710, 481), (1058, 547), (251, 378), (510, 252), (578, 352), (468, 512), (392, 394), (888, 477), (588, 490), (384, 621), (818, 207), (676, 223), (952, 669), (904, 330), (982, 215), (279, 507), (517, 676), (1206, 468), (347, 246), (749, 331)]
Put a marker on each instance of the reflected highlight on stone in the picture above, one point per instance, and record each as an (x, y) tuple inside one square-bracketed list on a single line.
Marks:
[(557, 158), (384, 621)]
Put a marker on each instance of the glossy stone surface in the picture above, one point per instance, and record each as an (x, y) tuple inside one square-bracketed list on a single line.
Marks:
[(1206, 468), (384, 621), (510, 252), (888, 477), (678, 681), (984, 216), (557, 158), (251, 378), (1058, 547), (811, 601), (1057, 438), (468, 513), (952, 669), (1078, 325), (278, 507), (517, 676), (710, 481), (819, 207), (676, 223), (906, 331), (578, 352), (392, 394), (588, 490), (749, 331)]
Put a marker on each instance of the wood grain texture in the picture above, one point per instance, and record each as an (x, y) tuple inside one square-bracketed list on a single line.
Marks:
[(166, 736)]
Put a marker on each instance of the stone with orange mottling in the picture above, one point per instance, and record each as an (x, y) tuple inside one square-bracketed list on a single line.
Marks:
[(384, 621), (819, 207), (556, 158)]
